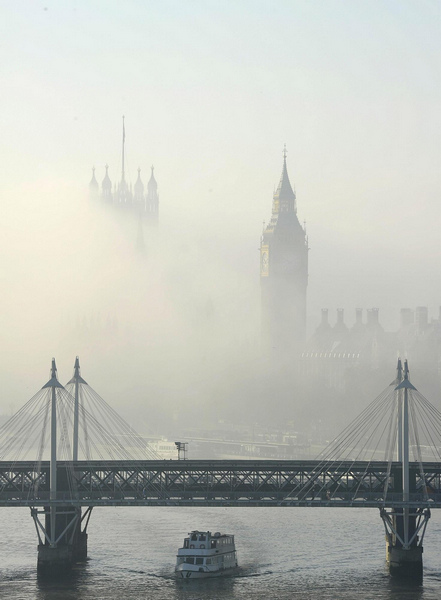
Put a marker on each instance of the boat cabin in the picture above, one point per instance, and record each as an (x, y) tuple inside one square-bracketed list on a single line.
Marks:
[(205, 554), (202, 540)]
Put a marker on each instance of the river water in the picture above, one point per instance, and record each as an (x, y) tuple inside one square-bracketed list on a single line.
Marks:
[(284, 553)]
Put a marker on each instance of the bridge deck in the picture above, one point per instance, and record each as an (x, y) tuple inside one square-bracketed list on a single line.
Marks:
[(221, 483)]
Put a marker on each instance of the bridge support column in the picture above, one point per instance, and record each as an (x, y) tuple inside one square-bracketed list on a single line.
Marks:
[(404, 549), (61, 540), (54, 561), (405, 563)]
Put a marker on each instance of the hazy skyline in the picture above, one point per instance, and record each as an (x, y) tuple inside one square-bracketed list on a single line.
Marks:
[(211, 91)]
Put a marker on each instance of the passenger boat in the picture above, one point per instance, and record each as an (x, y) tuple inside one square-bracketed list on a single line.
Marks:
[(205, 554)]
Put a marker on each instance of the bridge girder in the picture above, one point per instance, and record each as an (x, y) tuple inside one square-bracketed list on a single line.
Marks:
[(275, 483)]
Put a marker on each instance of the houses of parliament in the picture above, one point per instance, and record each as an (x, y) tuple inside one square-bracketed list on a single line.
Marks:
[(137, 198), (284, 274), (334, 353)]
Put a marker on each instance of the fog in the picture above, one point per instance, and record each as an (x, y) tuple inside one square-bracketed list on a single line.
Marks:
[(211, 92)]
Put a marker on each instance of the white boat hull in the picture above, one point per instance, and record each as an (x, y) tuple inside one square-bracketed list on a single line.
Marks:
[(190, 574)]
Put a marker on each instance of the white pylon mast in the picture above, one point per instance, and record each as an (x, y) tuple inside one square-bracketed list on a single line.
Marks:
[(404, 525), (53, 383), (399, 394), (53, 463), (76, 380), (76, 409), (405, 460), (404, 387)]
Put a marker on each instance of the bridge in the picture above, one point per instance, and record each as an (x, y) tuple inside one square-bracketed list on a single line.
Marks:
[(220, 483), (388, 458)]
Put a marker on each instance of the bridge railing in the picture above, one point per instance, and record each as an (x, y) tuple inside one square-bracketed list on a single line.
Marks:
[(96, 498)]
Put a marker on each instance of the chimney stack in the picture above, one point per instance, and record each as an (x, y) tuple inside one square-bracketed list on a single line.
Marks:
[(421, 318)]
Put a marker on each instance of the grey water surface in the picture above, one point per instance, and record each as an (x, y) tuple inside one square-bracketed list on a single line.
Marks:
[(284, 553)]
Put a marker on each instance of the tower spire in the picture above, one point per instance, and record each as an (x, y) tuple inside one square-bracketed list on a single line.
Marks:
[(284, 273), (284, 196), (93, 185)]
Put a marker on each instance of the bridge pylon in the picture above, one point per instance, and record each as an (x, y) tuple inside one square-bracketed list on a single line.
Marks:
[(58, 523), (405, 526)]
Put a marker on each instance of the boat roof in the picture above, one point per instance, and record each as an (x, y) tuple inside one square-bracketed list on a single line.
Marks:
[(208, 533)]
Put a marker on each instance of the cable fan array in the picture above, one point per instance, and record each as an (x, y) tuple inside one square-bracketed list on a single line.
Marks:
[(373, 435), (102, 433), (376, 435)]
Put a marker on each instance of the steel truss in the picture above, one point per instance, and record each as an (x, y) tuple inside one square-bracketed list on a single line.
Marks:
[(242, 482), (394, 533)]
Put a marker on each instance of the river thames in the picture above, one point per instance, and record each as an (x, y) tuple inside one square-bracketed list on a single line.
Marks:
[(283, 553)]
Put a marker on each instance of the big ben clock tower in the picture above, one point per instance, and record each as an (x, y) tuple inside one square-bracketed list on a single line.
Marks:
[(284, 274)]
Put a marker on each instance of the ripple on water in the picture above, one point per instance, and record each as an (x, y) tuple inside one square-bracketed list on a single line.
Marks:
[(284, 554)]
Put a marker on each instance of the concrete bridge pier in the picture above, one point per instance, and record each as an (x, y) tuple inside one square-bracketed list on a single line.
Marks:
[(405, 530), (404, 560), (62, 541), (405, 563)]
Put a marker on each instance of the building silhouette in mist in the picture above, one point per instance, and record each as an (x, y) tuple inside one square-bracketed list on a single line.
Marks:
[(336, 353), (284, 274), (339, 369), (144, 201)]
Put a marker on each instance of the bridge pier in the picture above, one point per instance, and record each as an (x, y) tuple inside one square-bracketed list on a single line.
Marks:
[(404, 549), (54, 561), (61, 540), (402, 560), (405, 563)]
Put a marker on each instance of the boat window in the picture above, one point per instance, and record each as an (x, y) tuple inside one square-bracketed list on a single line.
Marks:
[(180, 561), (189, 560), (186, 543), (208, 562), (202, 538), (199, 561), (194, 537), (213, 543)]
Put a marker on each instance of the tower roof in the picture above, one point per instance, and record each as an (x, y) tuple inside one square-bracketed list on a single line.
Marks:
[(93, 182), (107, 184), (152, 185), (139, 186), (284, 193)]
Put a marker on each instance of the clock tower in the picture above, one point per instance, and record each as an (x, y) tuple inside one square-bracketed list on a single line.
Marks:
[(284, 273)]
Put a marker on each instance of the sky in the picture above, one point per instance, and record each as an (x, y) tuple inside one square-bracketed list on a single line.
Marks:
[(211, 92)]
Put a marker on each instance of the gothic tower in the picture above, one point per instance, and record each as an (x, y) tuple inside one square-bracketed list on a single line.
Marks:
[(152, 199), (284, 274), (93, 186)]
